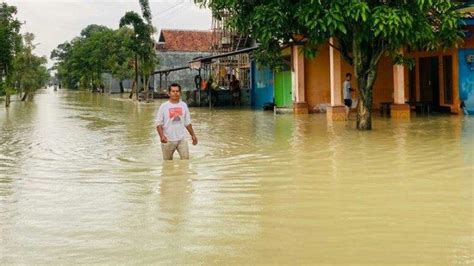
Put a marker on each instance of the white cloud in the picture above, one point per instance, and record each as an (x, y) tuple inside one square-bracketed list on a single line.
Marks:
[(54, 22)]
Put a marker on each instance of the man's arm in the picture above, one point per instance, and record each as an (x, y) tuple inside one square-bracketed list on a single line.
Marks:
[(163, 138), (159, 122), (191, 132)]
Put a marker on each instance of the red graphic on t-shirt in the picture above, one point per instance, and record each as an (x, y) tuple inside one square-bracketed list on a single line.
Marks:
[(175, 112)]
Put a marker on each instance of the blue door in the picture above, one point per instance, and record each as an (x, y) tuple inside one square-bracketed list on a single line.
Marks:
[(466, 78), (262, 86)]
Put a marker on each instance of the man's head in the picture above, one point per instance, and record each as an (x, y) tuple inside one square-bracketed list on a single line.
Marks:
[(348, 76), (174, 91)]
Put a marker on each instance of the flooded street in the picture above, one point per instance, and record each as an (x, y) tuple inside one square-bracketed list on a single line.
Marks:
[(82, 181)]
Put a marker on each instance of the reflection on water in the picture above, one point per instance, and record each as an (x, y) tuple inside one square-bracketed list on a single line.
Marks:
[(82, 181)]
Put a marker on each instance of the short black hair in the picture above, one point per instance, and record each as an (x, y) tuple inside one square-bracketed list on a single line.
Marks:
[(348, 75), (174, 85)]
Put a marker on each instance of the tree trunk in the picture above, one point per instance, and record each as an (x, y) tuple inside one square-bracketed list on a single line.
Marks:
[(121, 87), (24, 96), (20, 91), (136, 75), (364, 110), (133, 90), (7, 99), (364, 114), (365, 60), (145, 87)]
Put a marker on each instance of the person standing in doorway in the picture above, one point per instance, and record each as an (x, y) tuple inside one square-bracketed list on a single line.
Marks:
[(347, 91), (235, 89), (172, 121)]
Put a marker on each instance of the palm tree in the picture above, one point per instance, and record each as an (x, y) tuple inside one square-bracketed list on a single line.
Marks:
[(143, 44)]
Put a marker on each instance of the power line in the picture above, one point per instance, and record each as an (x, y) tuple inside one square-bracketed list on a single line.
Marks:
[(179, 10), (178, 4)]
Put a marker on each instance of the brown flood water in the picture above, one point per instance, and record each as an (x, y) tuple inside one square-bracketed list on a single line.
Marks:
[(82, 181)]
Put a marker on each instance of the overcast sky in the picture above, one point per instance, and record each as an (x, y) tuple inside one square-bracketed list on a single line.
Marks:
[(56, 21)]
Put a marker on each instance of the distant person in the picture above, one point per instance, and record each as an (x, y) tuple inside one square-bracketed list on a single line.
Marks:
[(235, 90), (172, 121), (211, 91), (347, 91)]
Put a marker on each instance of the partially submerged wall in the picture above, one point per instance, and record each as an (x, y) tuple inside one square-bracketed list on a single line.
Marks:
[(169, 60)]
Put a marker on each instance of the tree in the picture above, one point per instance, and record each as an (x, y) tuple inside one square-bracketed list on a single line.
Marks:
[(61, 56), (29, 70), (83, 60), (364, 31), (120, 61), (97, 50), (143, 43), (10, 39)]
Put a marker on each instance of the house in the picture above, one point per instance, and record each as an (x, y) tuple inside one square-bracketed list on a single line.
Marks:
[(443, 79), (175, 49)]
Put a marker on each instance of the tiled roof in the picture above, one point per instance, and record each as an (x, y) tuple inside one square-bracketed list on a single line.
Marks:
[(185, 41)]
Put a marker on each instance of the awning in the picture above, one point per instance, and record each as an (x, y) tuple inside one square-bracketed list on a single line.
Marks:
[(198, 62), (167, 71)]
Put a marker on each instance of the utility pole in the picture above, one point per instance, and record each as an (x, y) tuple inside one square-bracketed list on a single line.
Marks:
[(136, 75)]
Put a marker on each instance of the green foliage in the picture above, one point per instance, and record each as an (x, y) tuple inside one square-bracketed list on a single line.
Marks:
[(143, 43), (146, 11), (120, 61), (82, 61), (10, 40), (380, 24), (99, 49), (30, 72), (88, 31)]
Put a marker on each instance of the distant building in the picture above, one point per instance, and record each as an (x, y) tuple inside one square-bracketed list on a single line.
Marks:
[(175, 48)]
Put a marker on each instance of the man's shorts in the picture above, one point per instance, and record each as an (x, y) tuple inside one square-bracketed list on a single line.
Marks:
[(348, 102), (170, 147)]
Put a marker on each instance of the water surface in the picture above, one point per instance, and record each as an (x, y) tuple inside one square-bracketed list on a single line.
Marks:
[(82, 181)]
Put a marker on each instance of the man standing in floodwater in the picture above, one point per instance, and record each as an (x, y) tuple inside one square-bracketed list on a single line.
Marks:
[(347, 90), (172, 121)]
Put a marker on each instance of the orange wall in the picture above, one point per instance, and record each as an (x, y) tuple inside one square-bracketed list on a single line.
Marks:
[(317, 80), (383, 87), (469, 43), (317, 86)]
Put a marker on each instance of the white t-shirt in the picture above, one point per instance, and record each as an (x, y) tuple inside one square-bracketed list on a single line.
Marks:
[(347, 90), (174, 117)]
